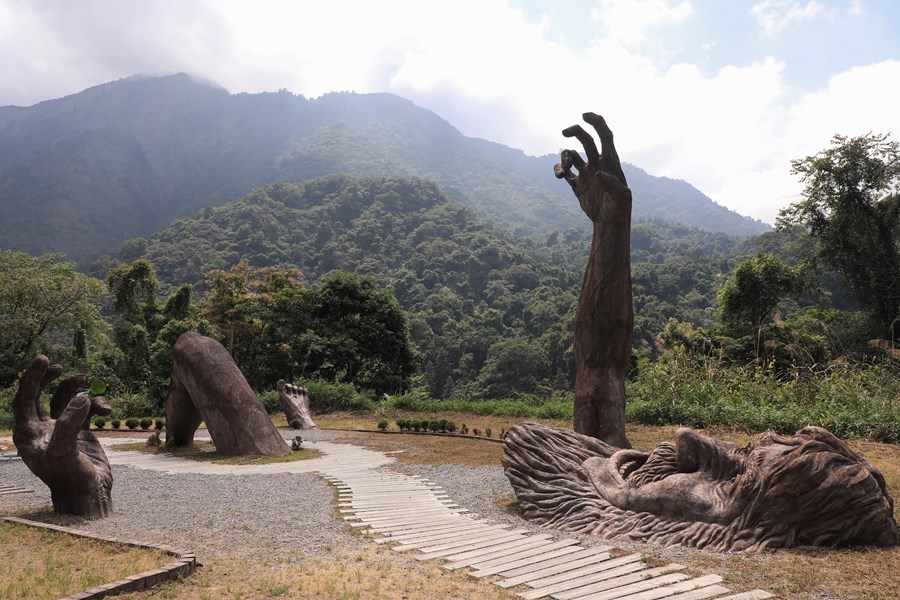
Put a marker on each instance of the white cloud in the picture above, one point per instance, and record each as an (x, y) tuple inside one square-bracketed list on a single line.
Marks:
[(774, 16), (626, 20)]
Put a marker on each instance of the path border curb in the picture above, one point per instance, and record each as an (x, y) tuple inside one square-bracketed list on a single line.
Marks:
[(185, 563)]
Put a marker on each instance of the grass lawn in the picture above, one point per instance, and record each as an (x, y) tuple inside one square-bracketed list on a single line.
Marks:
[(38, 564)]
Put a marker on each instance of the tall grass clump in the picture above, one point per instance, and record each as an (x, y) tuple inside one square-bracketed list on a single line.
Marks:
[(852, 400)]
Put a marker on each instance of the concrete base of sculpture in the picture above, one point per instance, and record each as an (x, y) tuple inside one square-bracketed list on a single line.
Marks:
[(805, 489), (58, 449), (207, 386), (294, 402)]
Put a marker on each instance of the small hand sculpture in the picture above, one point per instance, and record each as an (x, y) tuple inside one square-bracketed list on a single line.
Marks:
[(59, 449), (295, 404)]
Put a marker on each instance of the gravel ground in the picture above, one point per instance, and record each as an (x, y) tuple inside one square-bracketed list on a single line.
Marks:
[(258, 515)]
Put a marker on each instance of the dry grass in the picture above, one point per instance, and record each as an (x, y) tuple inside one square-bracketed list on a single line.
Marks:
[(38, 564), (375, 573), (204, 451)]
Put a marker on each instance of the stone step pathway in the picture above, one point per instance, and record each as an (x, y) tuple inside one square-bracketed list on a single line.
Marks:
[(416, 516)]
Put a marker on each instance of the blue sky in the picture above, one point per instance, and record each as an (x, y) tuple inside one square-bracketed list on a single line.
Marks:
[(720, 93)]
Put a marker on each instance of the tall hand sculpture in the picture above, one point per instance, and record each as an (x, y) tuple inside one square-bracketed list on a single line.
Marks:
[(58, 448), (604, 318)]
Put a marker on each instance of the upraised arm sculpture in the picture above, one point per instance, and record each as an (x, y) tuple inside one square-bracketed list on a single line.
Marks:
[(805, 489), (58, 448), (604, 318), (294, 402), (207, 386)]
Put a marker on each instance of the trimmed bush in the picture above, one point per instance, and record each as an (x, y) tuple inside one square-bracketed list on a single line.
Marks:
[(132, 423), (442, 424), (487, 432), (116, 423), (451, 426), (383, 424), (146, 423), (159, 424), (100, 422), (401, 424)]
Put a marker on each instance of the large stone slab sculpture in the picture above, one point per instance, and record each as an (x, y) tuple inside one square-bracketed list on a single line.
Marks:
[(604, 317), (294, 402), (207, 386), (58, 448), (805, 489)]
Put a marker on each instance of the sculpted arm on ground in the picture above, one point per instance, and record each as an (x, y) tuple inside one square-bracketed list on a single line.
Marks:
[(604, 317), (57, 447)]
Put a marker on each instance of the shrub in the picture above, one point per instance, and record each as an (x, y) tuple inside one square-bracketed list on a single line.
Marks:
[(476, 431), (383, 424), (434, 425), (159, 424), (296, 424), (417, 425), (146, 423), (269, 400), (442, 424), (131, 403), (331, 397), (451, 426), (464, 430), (487, 432), (116, 423), (401, 424), (132, 423), (153, 440), (100, 422)]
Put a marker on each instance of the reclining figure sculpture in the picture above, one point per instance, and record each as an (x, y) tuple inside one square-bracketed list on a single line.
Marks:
[(58, 448), (805, 489), (207, 386), (809, 488)]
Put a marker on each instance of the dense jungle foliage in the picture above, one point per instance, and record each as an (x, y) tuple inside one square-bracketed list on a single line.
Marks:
[(384, 290)]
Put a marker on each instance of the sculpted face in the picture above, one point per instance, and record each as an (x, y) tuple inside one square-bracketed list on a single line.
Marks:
[(809, 488)]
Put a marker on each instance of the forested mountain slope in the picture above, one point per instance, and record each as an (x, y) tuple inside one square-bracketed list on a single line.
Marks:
[(487, 309), (83, 173)]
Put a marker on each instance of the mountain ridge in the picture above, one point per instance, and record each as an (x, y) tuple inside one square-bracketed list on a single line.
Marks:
[(83, 173)]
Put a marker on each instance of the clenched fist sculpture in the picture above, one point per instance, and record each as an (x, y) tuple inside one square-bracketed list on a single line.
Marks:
[(58, 448)]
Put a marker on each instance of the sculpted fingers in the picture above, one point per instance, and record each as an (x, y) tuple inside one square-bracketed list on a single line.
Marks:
[(29, 392), (67, 388), (590, 148), (599, 124), (63, 442)]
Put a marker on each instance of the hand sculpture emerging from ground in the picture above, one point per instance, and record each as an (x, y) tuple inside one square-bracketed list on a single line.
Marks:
[(207, 386), (806, 489), (294, 402), (604, 317), (58, 448)]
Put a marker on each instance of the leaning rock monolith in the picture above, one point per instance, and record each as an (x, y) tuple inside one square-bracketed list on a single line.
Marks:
[(207, 386)]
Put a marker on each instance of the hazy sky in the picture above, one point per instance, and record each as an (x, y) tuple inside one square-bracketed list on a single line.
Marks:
[(720, 93)]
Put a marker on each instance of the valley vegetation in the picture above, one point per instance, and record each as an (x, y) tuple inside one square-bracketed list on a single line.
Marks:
[(384, 291)]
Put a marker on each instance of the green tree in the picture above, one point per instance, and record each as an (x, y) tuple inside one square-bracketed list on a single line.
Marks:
[(134, 287), (45, 305), (362, 334), (851, 207), (746, 301)]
